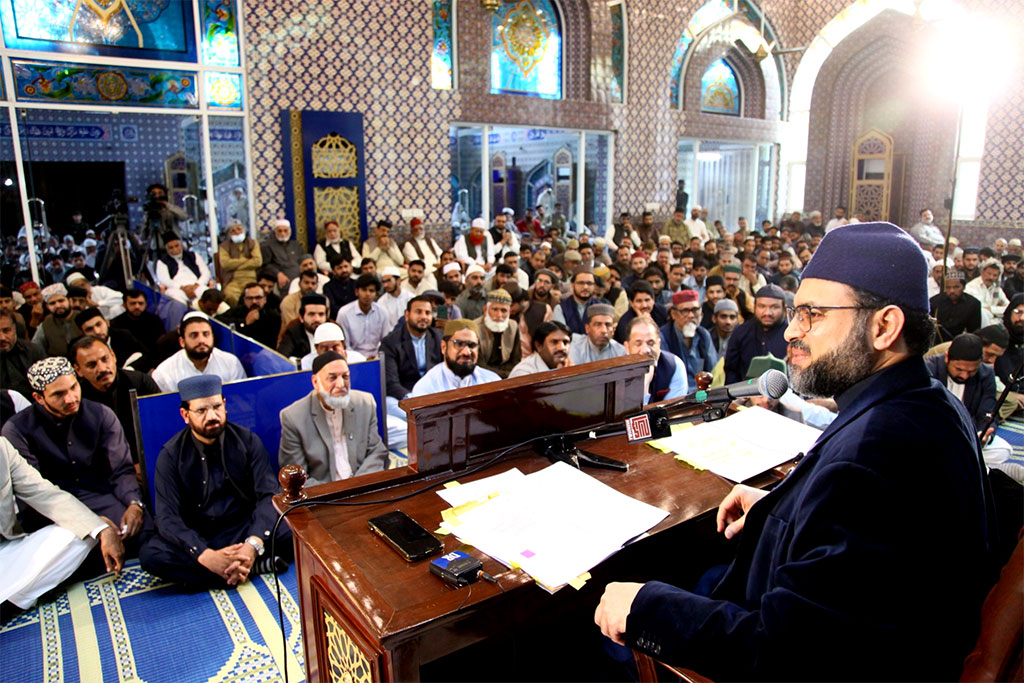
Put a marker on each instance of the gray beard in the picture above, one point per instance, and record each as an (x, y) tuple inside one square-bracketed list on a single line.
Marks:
[(336, 402), (836, 371)]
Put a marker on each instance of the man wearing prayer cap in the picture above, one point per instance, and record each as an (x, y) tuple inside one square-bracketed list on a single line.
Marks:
[(460, 348), (33, 310), (332, 432), (724, 319), (473, 298), (955, 310), (281, 254), (762, 334), (58, 327), (330, 337), (80, 447), (197, 356), (500, 347), (597, 341), (684, 336), (476, 246), (394, 297), (109, 301), (832, 558), (213, 488), (180, 273), (962, 371)]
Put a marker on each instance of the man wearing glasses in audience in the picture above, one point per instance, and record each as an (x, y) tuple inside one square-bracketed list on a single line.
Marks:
[(684, 336), (460, 347)]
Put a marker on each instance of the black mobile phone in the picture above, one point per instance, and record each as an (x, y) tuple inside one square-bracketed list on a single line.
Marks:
[(408, 538)]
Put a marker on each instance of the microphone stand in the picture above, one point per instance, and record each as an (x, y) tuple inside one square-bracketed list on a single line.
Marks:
[(1014, 377)]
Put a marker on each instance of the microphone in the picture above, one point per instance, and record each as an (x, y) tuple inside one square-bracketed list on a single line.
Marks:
[(655, 423), (772, 384)]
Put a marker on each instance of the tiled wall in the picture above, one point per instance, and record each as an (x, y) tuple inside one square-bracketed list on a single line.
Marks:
[(373, 58)]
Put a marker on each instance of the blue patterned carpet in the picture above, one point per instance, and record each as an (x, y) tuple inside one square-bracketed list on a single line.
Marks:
[(135, 627), (1013, 431)]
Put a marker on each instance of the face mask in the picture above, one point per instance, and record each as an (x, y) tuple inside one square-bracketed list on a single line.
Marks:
[(239, 238)]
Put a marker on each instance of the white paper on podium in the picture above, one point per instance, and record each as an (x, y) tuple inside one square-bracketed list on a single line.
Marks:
[(555, 524), (481, 488), (743, 445)]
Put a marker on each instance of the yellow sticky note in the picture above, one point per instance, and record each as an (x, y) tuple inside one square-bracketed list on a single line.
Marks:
[(514, 565), (577, 583), (451, 484), (441, 531)]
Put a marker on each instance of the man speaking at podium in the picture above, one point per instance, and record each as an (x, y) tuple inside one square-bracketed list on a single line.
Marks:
[(871, 559)]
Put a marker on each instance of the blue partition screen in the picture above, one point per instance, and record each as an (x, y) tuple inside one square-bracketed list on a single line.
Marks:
[(255, 404)]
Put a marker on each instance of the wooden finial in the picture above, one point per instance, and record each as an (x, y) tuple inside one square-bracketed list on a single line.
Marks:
[(292, 478), (704, 380)]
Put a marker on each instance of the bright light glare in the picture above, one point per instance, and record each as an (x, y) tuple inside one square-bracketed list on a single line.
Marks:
[(8, 182), (953, 72)]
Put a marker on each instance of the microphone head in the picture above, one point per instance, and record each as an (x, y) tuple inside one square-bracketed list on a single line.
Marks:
[(773, 384)]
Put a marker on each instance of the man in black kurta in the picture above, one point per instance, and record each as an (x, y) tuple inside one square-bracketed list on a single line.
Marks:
[(213, 498), (956, 311)]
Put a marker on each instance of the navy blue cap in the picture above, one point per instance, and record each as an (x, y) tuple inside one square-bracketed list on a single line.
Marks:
[(200, 386), (770, 292), (877, 257)]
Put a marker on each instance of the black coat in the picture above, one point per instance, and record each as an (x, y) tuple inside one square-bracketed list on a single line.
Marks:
[(147, 328), (979, 391), (400, 369), (14, 365), (118, 398), (295, 342)]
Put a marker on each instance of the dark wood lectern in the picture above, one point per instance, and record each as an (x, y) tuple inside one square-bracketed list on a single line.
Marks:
[(368, 615)]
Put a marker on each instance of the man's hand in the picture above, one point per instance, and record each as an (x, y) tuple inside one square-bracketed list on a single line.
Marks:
[(243, 559), (613, 609), (384, 242), (37, 314), (488, 266), (112, 549), (732, 511), (131, 521), (252, 316), (190, 290), (221, 562), (987, 435), (282, 282)]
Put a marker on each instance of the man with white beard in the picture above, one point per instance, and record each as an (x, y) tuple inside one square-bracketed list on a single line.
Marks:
[(332, 409), (684, 336), (500, 349), (181, 274)]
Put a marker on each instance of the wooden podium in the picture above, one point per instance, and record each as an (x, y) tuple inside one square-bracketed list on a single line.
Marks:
[(368, 615)]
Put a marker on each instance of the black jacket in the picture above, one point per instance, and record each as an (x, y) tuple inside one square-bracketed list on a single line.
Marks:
[(400, 369), (979, 391), (295, 342), (147, 328), (118, 398), (14, 365)]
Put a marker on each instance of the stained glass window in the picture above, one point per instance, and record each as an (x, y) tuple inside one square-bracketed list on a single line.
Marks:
[(441, 62), (223, 91), (618, 12), (712, 11), (220, 33), (719, 90), (526, 50)]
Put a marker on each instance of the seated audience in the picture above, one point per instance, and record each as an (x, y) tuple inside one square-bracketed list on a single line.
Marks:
[(985, 288), (33, 310), (382, 247), (341, 289), (419, 247), (641, 304), (364, 321), (460, 349), (129, 350), (764, 333), (308, 263), (666, 378), (473, 298), (32, 564), (500, 348), (330, 337), (281, 255), (418, 279), (955, 311), (550, 350), (596, 342), (251, 317), (80, 446), (571, 310), (292, 302), (109, 301), (410, 350), (95, 364), (213, 487), (332, 432), (684, 336), (143, 325), (197, 356), (180, 274), (332, 247), (476, 246), (240, 259), (58, 328), (393, 299), (16, 357), (297, 339)]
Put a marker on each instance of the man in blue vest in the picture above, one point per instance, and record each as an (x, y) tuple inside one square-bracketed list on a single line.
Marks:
[(685, 338), (666, 378), (570, 312), (872, 557)]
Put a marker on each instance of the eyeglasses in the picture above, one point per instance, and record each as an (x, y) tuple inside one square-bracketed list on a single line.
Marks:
[(688, 311), (807, 315), (462, 344), (216, 407)]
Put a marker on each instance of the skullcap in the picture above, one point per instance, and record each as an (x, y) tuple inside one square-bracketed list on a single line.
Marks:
[(199, 386), (431, 294), (87, 315), (601, 271), (328, 331), (43, 372), (313, 299), (475, 268), (51, 291), (549, 273), (88, 242), (599, 243), (508, 212), (726, 305), (731, 268), (572, 255), (414, 222), (598, 309), (683, 296), (714, 280), (479, 223), (500, 296), (640, 253), (75, 276), (572, 244), (992, 263), (770, 292), (1013, 243), (453, 326), (282, 221), (877, 257), (955, 274), (449, 267), (390, 271), (26, 287), (971, 250), (324, 358)]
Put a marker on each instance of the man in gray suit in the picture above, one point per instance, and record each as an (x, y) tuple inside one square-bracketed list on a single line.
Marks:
[(31, 564), (332, 432)]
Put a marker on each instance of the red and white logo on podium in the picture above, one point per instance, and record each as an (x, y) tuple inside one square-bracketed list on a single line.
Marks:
[(638, 427)]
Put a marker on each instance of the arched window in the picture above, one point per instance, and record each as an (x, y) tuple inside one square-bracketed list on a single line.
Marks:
[(442, 73), (719, 90), (526, 49)]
